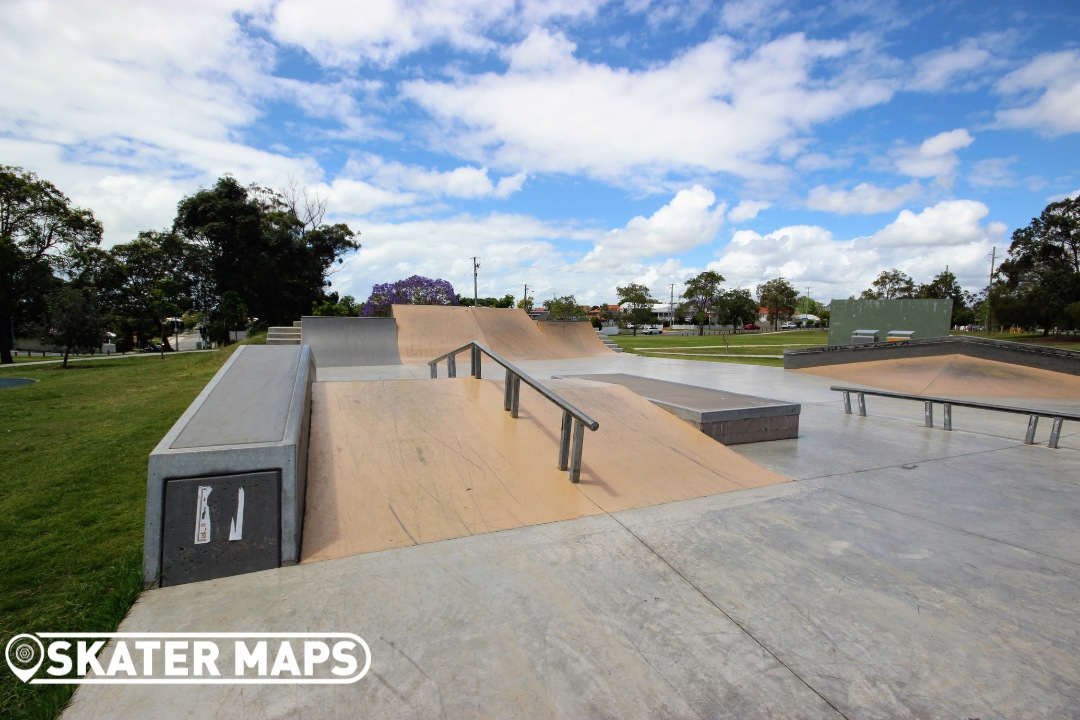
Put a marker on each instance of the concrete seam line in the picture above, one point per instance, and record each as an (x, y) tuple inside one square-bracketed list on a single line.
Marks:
[(729, 617)]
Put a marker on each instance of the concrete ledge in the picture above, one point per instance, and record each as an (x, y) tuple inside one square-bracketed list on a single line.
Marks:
[(254, 415), (1036, 356), (729, 418)]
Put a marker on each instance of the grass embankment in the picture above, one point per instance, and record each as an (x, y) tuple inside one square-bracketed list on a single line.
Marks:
[(749, 348), (73, 453)]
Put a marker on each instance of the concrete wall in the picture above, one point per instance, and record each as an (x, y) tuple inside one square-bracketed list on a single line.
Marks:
[(253, 416), (928, 318), (1036, 356)]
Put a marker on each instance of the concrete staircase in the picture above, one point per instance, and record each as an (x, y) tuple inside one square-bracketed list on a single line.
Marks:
[(606, 339), (284, 335)]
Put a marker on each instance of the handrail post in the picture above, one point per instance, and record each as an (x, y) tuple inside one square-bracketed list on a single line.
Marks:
[(451, 366), (476, 362), (575, 458), (1033, 422), (1055, 432), (862, 404), (948, 415), (515, 396), (508, 386), (928, 413), (434, 371), (564, 441), (847, 403)]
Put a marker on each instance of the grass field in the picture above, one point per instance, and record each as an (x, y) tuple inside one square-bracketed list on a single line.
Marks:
[(751, 348), (73, 453)]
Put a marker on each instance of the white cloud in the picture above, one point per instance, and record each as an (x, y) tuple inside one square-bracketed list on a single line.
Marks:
[(951, 233), (747, 210), (686, 222), (742, 14), (864, 198), (945, 69), (1048, 89), (951, 222), (346, 33), (935, 157), (715, 108), (461, 182)]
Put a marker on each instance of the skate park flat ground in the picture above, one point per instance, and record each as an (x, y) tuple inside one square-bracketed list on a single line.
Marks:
[(904, 572)]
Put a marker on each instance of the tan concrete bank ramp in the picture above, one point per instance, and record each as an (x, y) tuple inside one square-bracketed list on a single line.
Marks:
[(427, 331), (956, 376), (396, 463)]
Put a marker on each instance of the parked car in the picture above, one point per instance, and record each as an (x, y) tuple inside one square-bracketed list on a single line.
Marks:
[(788, 326), (652, 330), (751, 326)]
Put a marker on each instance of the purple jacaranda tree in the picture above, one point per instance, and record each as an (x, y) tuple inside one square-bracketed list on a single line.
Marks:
[(415, 290)]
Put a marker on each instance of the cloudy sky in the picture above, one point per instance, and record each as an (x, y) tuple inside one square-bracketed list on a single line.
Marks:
[(571, 145)]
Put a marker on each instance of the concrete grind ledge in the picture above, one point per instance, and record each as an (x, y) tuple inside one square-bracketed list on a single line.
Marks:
[(1036, 356), (253, 416), (729, 418)]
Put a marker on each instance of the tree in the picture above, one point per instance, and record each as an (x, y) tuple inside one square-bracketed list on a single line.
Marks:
[(414, 290), (890, 285), (565, 309), (737, 308), (526, 304), (1041, 277), (506, 301), (333, 306), (635, 304), (778, 296), (233, 313), (155, 280), (73, 320), (945, 287), (702, 293), (269, 248), (40, 232)]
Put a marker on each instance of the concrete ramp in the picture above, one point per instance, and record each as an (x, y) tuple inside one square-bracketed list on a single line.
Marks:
[(397, 463), (351, 341), (573, 339), (955, 376)]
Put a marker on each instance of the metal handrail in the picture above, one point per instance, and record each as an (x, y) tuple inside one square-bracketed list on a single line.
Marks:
[(948, 404), (568, 459)]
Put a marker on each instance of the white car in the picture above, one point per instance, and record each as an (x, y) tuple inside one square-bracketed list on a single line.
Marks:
[(652, 331), (788, 326)]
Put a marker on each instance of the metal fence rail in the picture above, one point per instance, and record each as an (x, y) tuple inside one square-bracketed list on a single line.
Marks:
[(949, 403), (569, 458)]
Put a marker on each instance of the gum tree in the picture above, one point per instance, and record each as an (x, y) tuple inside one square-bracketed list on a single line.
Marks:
[(40, 232)]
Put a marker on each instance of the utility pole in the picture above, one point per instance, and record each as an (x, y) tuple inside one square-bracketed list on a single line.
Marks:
[(993, 257), (671, 308), (475, 270)]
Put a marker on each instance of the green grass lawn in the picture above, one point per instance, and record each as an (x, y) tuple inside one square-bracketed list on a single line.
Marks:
[(736, 347), (73, 456)]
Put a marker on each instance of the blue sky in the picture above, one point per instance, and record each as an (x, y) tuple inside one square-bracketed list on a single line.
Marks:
[(572, 146)]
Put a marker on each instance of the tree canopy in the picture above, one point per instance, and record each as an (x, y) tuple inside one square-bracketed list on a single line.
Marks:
[(254, 242), (778, 297), (636, 304), (1040, 279), (890, 285), (41, 234), (565, 309), (414, 290), (702, 295)]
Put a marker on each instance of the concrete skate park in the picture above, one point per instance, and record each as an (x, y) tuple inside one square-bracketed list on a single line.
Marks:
[(521, 522)]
